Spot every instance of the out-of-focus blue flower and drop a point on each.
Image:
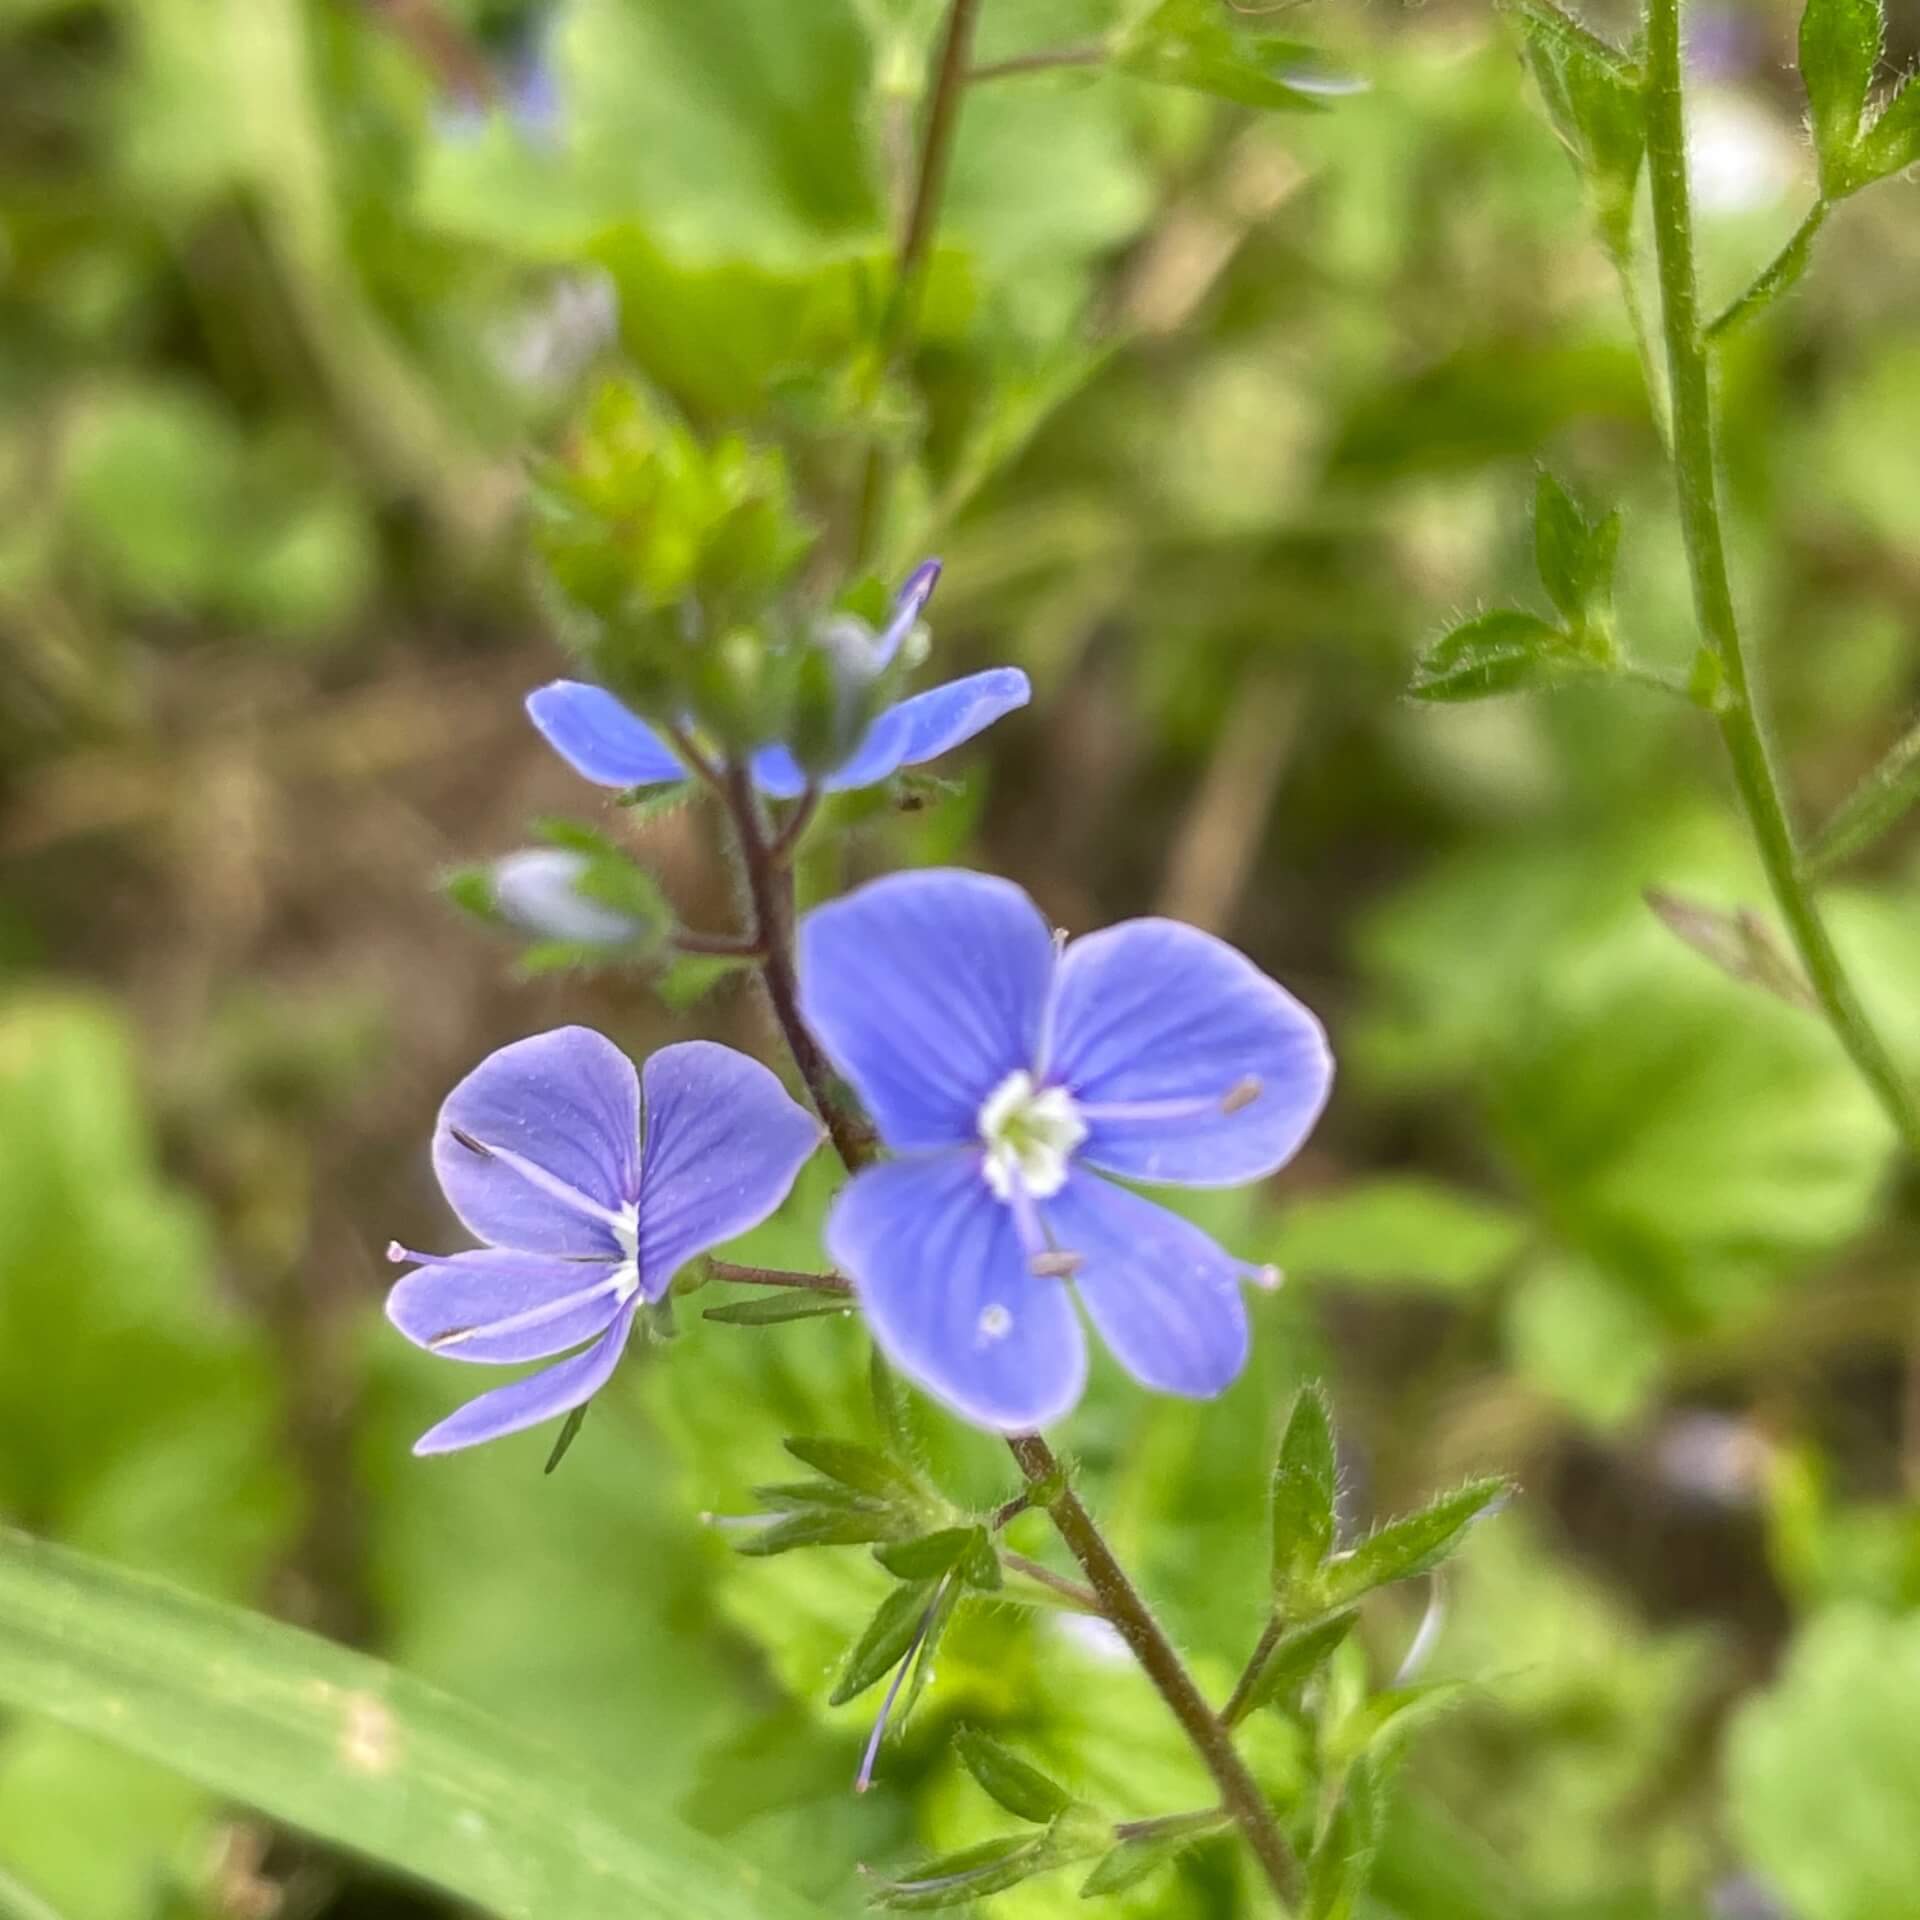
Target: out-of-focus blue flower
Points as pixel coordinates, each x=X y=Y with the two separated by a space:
x=541 y=1152
x=1008 y=1074
x=601 y=740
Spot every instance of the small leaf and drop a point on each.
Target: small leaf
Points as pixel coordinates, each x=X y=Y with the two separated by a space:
x=928 y=1556
x=1342 y=1862
x=776 y=1309
x=980 y=1565
x=881 y=1648
x=1839 y=49
x=1575 y=556
x=1389 y=1719
x=819 y=1527
x=1415 y=1544
x=569 y=1432
x=1304 y=1484
x=1506 y=651
x=1135 y=1858
x=1892 y=143
x=1740 y=944
x=800 y=1496
x=1197 y=44
x=853 y=1465
x=471 y=890
x=1593 y=96
x=1297 y=1655
x=1022 y=1789
x=955 y=1878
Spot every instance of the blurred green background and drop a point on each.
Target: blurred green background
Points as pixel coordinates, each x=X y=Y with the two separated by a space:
x=1216 y=419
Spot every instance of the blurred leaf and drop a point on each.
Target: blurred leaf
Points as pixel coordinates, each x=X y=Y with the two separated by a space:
x=1506 y=651
x=1196 y=43
x=1575 y=556
x=953 y=1879
x=346 y=1748
x=866 y=1468
x=1414 y=1544
x=895 y=1625
x=1305 y=1481
x=1389 y=1718
x=1741 y=944
x=1342 y=1859
x=1820 y=1769
x=1398 y=1230
x=929 y=1556
x=1876 y=804
x=1023 y=1790
x=1892 y=143
x=1133 y=1860
x=820 y=1526
x=777 y=1308
x=1592 y=93
x=1576 y=1332
x=1839 y=49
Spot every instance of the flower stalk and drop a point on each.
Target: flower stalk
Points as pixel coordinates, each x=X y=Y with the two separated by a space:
x=1756 y=778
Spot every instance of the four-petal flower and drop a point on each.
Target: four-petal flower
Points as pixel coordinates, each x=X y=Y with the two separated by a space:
x=1008 y=1074
x=588 y=1208
x=603 y=742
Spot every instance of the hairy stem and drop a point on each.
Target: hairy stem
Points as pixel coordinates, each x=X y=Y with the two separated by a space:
x=777 y=1277
x=770 y=888
x=1754 y=775
x=1775 y=277
x=902 y=315
x=1080 y=1599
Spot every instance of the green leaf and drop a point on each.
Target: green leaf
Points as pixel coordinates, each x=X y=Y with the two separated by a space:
x=866 y=1468
x=1399 y=1231
x=1388 y=1719
x=1593 y=96
x=1820 y=1769
x=1505 y=651
x=820 y=1526
x=1342 y=1861
x=1892 y=143
x=974 y=1872
x=1134 y=1859
x=569 y=1432
x=1297 y=1655
x=349 y=1750
x=1022 y=1789
x=1305 y=1480
x=776 y=1309
x=1839 y=49
x=1880 y=800
x=471 y=890
x=1197 y=44
x=1575 y=556
x=892 y=1630
x=1414 y=1544
x=1576 y=1332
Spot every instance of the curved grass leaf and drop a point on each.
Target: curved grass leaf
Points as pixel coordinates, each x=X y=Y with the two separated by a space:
x=350 y=1750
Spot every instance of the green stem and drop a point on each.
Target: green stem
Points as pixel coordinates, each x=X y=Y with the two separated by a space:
x=902 y=314
x=1694 y=476
x=1775 y=278
x=1093 y=53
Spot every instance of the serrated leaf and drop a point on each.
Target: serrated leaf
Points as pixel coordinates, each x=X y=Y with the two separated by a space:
x=1197 y=44
x=1414 y=1544
x=776 y=1309
x=1297 y=1655
x=1305 y=1481
x=1505 y=651
x=1839 y=49
x=881 y=1648
x=1025 y=1792
x=928 y=1556
x=971 y=1874
x=1892 y=143
x=1575 y=555
x=853 y=1465
x=1342 y=1861
x=1593 y=96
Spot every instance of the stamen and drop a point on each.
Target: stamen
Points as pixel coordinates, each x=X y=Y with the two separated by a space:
x=548 y=1183
x=470 y=1143
x=864 y=1778
x=1241 y=1095
x=623 y=1282
x=1056 y=1264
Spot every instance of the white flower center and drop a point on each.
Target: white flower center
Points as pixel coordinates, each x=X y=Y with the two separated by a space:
x=1030 y=1135
x=626 y=1231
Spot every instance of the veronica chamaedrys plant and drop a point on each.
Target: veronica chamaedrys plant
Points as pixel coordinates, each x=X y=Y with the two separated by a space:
x=1009 y=1075
x=592 y=1185
x=600 y=739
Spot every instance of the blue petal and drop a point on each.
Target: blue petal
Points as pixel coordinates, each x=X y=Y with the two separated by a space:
x=907 y=605
x=927 y=990
x=1159 y=1292
x=501 y=1307
x=1152 y=1015
x=540 y=1396
x=724 y=1143
x=539 y=1146
x=932 y=723
x=944 y=1280
x=598 y=738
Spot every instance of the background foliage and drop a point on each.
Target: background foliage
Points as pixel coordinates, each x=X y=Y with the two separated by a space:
x=1224 y=417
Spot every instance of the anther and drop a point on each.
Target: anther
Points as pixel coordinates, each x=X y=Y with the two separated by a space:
x=1243 y=1093
x=1056 y=1265
x=470 y=1143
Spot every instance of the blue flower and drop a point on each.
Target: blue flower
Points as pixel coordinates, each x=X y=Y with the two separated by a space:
x=1008 y=1074
x=587 y=1211
x=599 y=739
